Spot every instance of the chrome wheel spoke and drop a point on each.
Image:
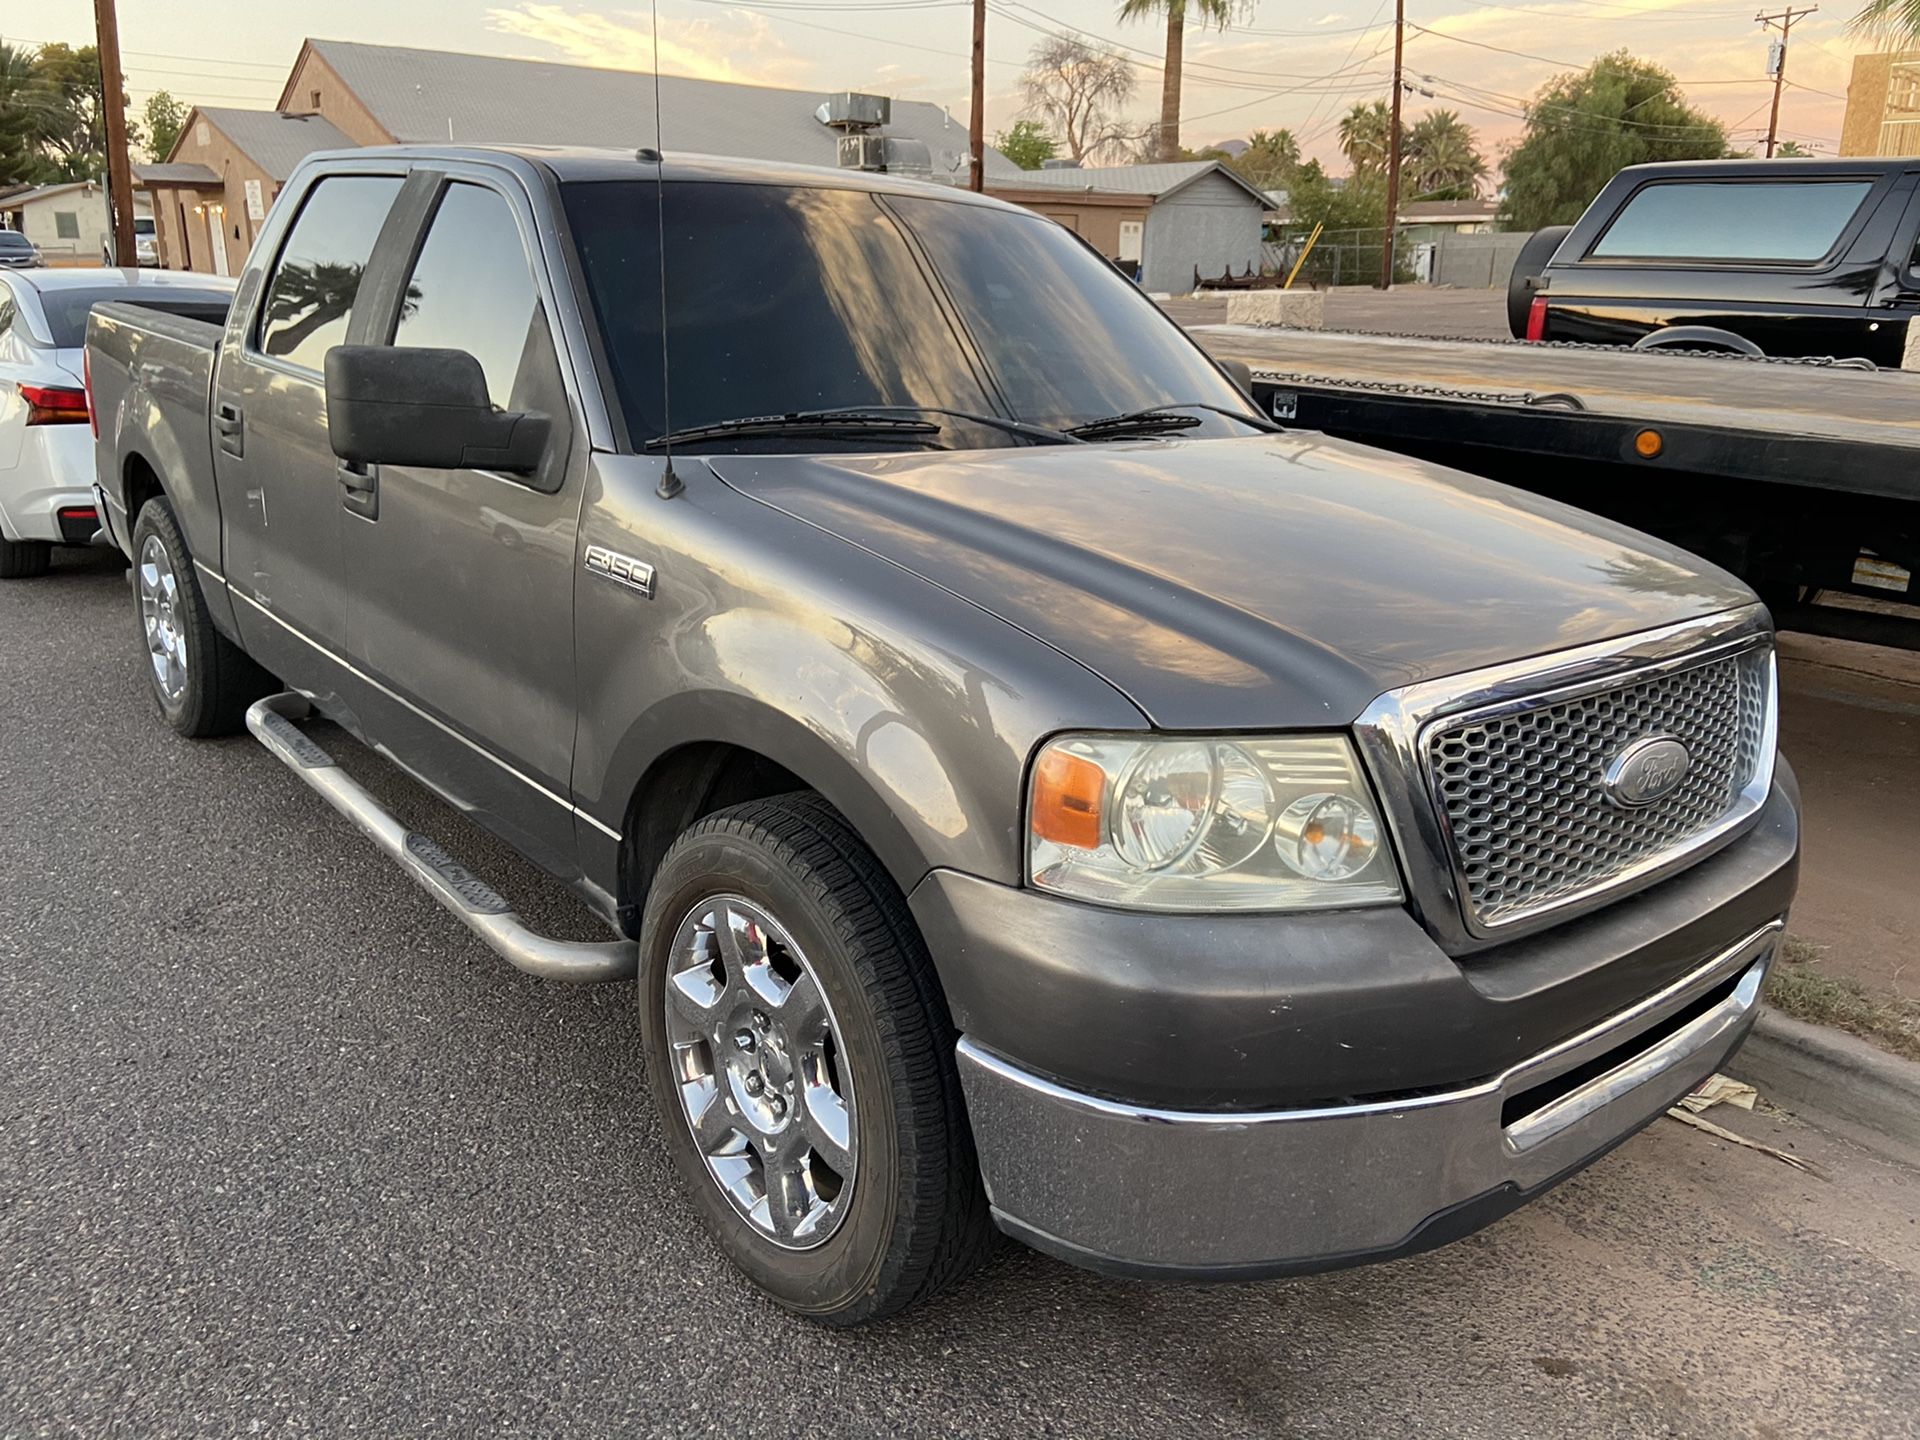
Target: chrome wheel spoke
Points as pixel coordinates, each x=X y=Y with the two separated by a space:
x=714 y=1128
x=803 y=1010
x=828 y=1125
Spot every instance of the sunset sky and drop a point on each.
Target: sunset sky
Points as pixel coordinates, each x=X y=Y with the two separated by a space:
x=1296 y=65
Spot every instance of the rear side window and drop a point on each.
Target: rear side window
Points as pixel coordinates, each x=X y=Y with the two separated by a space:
x=472 y=289
x=311 y=293
x=1767 y=221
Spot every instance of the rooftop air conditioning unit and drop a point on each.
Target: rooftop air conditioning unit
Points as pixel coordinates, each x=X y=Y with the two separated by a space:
x=863 y=152
x=850 y=110
x=912 y=158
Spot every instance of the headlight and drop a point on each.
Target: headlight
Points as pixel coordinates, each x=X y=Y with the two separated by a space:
x=1285 y=822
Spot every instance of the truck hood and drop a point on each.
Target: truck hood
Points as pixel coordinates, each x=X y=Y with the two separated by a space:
x=1277 y=580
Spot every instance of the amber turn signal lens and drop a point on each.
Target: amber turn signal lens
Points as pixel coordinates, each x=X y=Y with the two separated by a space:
x=1068 y=791
x=1648 y=444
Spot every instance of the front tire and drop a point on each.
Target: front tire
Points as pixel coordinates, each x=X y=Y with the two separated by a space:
x=24 y=559
x=801 y=1058
x=202 y=682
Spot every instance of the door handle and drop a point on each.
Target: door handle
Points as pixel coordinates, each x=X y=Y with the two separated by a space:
x=230 y=425
x=361 y=487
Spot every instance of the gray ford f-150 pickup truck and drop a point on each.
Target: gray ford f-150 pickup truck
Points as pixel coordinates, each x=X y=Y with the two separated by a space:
x=1028 y=789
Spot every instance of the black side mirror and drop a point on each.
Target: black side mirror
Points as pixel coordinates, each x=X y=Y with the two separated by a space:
x=395 y=405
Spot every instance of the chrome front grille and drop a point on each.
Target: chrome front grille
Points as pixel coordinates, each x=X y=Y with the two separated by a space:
x=1519 y=790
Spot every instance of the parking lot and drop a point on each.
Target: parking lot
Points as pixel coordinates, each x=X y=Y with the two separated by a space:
x=283 y=1150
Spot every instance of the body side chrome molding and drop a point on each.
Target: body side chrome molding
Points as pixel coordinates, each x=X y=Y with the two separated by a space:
x=431 y=718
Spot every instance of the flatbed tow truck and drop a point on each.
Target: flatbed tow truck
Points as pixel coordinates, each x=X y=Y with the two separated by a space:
x=1800 y=475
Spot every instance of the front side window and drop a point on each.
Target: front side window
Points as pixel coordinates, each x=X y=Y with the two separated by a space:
x=1773 y=222
x=311 y=293
x=791 y=298
x=472 y=289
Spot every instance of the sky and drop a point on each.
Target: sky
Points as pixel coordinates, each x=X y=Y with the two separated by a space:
x=1298 y=65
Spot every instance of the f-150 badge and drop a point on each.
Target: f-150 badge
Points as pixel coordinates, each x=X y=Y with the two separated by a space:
x=621 y=569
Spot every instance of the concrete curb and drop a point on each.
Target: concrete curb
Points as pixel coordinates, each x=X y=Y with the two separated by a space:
x=1859 y=1090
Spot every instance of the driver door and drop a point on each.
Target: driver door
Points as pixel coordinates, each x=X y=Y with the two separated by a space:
x=460 y=582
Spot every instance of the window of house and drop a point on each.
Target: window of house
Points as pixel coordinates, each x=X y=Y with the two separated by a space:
x=315 y=281
x=66 y=224
x=1764 y=221
x=473 y=249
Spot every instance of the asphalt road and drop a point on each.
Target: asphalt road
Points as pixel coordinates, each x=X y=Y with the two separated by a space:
x=283 y=1151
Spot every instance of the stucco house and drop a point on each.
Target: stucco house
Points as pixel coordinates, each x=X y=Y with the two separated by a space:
x=1174 y=220
x=213 y=192
x=68 y=221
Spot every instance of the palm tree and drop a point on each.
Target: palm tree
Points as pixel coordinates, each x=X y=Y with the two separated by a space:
x=1442 y=161
x=1206 y=12
x=1270 y=158
x=1892 y=21
x=1363 y=136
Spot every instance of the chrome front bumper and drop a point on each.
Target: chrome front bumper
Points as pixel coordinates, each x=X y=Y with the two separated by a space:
x=1203 y=1195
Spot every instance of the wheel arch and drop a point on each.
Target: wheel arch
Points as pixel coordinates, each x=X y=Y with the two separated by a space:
x=1697 y=337
x=698 y=752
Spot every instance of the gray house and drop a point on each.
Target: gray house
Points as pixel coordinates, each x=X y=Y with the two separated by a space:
x=1174 y=220
x=215 y=189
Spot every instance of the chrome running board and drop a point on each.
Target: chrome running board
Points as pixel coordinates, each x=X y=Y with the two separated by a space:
x=479 y=907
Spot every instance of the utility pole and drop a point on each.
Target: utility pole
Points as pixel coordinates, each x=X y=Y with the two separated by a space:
x=977 y=124
x=113 y=101
x=1785 y=21
x=1393 y=149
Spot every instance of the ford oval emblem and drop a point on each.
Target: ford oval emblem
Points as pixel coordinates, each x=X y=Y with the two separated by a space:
x=1650 y=769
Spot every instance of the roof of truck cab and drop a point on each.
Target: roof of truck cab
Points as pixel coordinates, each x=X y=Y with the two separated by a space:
x=1822 y=167
x=571 y=164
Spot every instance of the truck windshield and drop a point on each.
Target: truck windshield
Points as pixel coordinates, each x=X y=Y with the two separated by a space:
x=790 y=298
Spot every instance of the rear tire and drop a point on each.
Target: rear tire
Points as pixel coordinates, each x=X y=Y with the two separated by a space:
x=24 y=559
x=202 y=682
x=1527 y=268
x=908 y=1216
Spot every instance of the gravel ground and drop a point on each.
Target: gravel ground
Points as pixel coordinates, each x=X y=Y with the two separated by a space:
x=284 y=1151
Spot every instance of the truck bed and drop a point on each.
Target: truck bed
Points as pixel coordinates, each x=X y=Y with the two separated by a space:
x=152 y=376
x=1802 y=422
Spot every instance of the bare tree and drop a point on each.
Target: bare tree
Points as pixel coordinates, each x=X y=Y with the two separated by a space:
x=1078 y=90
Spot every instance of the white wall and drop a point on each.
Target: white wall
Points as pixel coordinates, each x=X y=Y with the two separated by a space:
x=40 y=221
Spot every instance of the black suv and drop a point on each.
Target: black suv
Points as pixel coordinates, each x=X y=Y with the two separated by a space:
x=1762 y=257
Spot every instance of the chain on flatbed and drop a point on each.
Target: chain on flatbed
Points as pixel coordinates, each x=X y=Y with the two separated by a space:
x=1532 y=399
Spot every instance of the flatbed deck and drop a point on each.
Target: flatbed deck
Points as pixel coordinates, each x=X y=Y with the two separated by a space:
x=1817 y=425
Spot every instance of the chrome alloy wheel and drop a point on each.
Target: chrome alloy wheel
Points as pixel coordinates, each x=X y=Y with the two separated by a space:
x=160 y=618
x=763 y=1078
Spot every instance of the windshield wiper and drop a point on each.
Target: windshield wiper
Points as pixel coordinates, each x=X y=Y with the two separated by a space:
x=1160 y=420
x=824 y=424
x=999 y=422
x=887 y=420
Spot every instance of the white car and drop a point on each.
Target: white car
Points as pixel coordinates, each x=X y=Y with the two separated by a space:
x=46 y=443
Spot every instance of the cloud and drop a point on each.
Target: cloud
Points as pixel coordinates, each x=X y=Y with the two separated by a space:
x=734 y=45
